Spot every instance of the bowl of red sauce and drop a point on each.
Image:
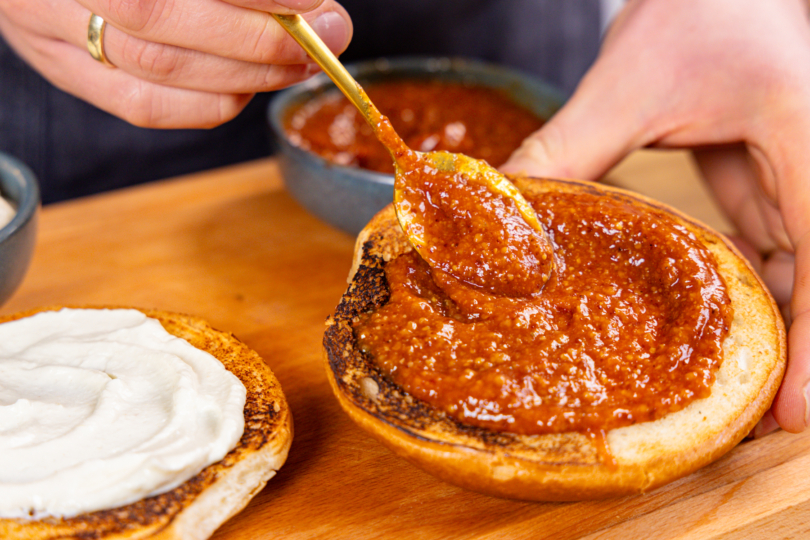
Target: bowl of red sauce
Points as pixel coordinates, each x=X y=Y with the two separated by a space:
x=335 y=168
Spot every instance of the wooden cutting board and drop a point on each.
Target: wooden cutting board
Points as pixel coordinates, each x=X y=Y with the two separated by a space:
x=232 y=247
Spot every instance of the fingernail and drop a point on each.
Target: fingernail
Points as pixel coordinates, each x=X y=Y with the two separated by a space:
x=332 y=29
x=299 y=5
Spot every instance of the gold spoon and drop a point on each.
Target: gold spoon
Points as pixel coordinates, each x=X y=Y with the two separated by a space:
x=517 y=269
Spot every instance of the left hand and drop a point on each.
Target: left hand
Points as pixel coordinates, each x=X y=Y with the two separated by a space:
x=180 y=63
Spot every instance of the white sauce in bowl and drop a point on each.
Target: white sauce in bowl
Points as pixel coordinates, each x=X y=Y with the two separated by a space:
x=101 y=408
x=7 y=212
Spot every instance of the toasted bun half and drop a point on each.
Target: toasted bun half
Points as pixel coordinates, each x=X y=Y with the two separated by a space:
x=196 y=508
x=563 y=466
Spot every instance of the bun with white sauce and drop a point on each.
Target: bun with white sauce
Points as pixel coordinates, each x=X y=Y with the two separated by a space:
x=197 y=507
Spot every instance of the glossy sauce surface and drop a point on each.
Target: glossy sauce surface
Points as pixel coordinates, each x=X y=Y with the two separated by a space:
x=629 y=327
x=471 y=232
x=428 y=115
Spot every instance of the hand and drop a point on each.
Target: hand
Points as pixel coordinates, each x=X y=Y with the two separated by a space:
x=180 y=63
x=730 y=78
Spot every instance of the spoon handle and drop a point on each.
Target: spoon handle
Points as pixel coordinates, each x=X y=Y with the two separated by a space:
x=303 y=33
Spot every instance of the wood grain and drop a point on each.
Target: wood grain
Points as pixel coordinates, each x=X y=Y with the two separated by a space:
x=232 y=247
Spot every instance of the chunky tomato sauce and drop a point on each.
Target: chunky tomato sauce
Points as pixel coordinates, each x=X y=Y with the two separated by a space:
x=471 y=232
x=429 y=115
x=629 y=328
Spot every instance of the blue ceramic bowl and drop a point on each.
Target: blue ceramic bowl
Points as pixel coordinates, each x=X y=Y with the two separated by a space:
x=348 y=197
x=19 y=186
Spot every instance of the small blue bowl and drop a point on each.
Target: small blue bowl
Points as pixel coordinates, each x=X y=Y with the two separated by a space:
x=348 y=197
x=19 y=186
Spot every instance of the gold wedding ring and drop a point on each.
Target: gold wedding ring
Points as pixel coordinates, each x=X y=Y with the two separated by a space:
x=95 y=39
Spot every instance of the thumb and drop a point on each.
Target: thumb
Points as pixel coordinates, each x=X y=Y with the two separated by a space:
x=593 y=131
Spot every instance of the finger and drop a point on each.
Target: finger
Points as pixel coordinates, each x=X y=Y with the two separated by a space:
x=790 y=408
x=47 y=18
x=748 y=251
x=737 y=188
x=175 y=66
x=119 y=93
x=222 y=29
x=765 y=426
x=194 y=70
x=777 y=273
x=789 y=160
x=278 y=6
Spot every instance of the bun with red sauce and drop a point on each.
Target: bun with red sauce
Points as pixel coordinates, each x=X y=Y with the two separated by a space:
x=569 y=465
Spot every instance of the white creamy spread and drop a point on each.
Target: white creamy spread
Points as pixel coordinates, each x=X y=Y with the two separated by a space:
x=7 y=212
x=101 y=408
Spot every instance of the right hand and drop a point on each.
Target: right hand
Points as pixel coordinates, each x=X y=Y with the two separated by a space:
x=180 y=63
x=731 y=80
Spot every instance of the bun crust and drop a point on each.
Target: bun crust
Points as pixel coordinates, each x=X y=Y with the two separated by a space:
x=196 y=508
x=564 y=466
